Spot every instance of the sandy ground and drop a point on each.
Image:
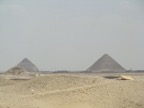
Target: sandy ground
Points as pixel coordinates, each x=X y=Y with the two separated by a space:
x=72 y=91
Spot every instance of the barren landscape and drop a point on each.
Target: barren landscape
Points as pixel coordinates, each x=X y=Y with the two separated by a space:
x=73 y=91
x=72 y=54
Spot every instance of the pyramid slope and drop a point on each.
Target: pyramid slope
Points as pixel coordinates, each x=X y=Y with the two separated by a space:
x=28 y=65
x=106 y=63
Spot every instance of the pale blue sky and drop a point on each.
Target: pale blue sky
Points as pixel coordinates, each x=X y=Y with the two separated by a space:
x=71 y=34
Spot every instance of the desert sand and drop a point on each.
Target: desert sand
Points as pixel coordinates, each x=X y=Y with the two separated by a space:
x=72 y=91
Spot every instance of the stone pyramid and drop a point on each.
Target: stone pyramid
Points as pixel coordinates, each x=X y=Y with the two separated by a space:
x=15 y=71
x=106 y=64
x=28 y=65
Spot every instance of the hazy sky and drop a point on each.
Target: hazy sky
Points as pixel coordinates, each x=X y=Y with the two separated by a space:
x=71 y=34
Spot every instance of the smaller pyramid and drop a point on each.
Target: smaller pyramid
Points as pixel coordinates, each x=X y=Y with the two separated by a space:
x=28 y=65
x=16 y=71
x=106 y=64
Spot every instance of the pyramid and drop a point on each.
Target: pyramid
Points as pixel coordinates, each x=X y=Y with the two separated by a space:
x=16 y=71
x=106 y=64
x=28 y=65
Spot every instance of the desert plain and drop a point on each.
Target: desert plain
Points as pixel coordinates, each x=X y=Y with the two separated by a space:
x=72 y=90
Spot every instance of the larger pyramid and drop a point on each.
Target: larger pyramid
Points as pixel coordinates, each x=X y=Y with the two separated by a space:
x=106 y=64
x=28 y=65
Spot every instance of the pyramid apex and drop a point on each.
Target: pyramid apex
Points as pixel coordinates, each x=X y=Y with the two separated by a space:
x=105 y=55
x=25 y=59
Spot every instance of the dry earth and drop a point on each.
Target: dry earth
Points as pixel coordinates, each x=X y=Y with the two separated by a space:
x=72 y=91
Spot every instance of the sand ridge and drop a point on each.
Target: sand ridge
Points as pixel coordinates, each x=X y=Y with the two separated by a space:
x=72 y=91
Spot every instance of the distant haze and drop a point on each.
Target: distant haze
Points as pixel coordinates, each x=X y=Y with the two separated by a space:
x=71 y=34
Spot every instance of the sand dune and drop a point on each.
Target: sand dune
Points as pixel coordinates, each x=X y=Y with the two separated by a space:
x=72 y=91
